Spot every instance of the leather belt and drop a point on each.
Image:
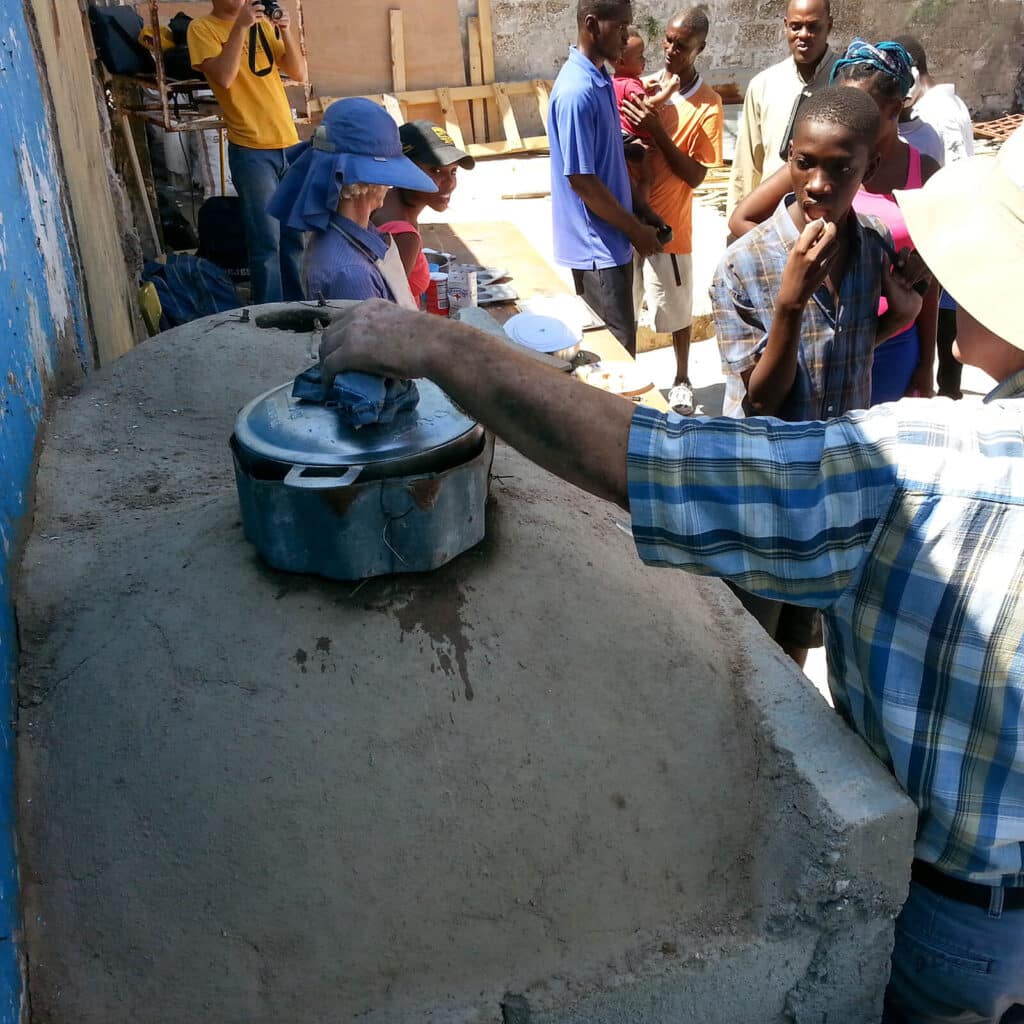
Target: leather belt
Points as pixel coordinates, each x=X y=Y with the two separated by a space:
x=964 y=892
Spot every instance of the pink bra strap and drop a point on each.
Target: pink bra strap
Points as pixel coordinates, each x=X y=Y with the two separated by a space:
x=914 y=169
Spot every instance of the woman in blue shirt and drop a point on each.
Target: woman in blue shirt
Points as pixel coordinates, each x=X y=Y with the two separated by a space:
x=335 y=182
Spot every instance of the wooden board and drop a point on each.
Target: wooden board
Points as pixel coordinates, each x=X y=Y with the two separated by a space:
x=397 y=23
x=349 y=45
x=476 y=77
x=450 y=107
x=1000 y=129
x=487 y=63
x=500 y=244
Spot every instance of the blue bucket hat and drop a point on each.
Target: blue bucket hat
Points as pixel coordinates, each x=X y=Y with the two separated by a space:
x=357 y=141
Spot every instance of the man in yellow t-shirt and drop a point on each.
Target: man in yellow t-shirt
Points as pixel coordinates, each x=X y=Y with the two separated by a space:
x=686 y=138
x=242 y=53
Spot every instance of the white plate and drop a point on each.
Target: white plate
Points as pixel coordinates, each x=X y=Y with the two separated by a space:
x=492 y=293
x=620 y=376
x=541 y=333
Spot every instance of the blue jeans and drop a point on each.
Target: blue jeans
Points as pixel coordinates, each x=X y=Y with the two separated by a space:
x=275 y=252
x=954 y=962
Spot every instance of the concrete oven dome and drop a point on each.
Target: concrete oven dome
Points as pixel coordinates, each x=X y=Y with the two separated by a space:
x=543 y=783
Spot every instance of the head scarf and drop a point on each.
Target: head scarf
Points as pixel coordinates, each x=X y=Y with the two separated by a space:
x=357 y=141
x=889 y=58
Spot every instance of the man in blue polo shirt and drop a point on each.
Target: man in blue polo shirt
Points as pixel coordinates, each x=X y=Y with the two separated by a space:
x=595 y=230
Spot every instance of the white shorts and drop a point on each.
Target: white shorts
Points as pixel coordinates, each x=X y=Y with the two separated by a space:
x=669 y=305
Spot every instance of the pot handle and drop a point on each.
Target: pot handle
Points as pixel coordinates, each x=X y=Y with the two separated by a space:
x=296 y=478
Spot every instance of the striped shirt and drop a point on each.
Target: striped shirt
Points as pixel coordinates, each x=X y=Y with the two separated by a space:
x=905 y=526
x=836 y=347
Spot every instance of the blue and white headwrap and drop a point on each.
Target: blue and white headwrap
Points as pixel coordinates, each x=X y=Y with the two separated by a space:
x=889 y=58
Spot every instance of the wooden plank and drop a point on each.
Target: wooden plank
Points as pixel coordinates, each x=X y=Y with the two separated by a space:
x=392 y=106
x=483 y=11
x=486 y=39
x=451 y=120
x=140 y=182
x=397 y=51
x=440 y=105
x=543 y=91
x=532 y=144
x=1000 y=129
x=508 y=117
x=477 y=109
x=425 y=97
x=500 y=244
x=349 y=45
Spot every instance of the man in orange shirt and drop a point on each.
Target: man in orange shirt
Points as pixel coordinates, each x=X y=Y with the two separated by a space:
x=686 y=138
x=242 y=52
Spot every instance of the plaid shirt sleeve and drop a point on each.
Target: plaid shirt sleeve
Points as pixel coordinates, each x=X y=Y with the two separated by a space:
x=741 y=323
x=785 y=510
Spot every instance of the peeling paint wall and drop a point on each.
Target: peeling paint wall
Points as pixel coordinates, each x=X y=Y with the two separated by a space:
x=42 y=339
x=979 y=44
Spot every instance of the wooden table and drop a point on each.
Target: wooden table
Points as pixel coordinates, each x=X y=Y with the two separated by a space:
x=500 y=244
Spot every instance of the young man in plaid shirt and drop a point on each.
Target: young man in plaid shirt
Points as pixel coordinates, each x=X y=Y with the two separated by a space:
x=795 y=301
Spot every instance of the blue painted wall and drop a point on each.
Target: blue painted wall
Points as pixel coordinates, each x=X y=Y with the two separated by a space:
x=41 y=329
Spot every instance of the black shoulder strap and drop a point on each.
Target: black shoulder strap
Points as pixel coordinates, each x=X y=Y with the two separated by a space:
x=257 y=32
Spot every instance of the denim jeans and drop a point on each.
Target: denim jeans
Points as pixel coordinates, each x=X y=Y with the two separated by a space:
x=954 y=962
x=275 y=252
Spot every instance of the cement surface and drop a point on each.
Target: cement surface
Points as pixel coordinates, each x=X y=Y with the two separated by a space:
x=544 y=774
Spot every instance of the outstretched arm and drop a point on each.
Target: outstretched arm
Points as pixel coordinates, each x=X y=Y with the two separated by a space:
x=644 y=118
x=577 y=432
x=760 y=204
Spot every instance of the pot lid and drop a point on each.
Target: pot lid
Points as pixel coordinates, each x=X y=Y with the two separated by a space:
x=285 y=429
x=541 y=333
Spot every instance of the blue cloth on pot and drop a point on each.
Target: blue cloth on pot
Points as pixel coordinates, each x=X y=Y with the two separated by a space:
x=360 y=398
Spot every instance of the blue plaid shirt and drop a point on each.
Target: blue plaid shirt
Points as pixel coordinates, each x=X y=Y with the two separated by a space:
x=836 y=346
x=905 y=526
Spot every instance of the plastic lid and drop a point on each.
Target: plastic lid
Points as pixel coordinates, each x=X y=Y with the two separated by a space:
x=541 y=333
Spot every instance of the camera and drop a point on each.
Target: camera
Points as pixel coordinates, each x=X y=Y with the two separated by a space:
x=664 y=234
x=272 y=10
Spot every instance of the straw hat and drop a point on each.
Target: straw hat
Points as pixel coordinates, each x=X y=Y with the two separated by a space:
x=968 y=224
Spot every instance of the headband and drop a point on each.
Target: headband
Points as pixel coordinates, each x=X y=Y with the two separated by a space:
x=889 y=58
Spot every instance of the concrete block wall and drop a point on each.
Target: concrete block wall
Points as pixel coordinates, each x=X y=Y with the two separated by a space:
x=978 y=44
x=42 y=339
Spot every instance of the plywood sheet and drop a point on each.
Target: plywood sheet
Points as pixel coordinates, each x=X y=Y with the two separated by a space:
x=62 y=37
x=349 y=45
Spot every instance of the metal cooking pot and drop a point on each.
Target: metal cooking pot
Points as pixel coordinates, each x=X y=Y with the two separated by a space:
x=318 y=496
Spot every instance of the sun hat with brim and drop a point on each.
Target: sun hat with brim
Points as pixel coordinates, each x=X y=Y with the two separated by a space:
x=430 y=144
x=968 y=224
x=357 y=141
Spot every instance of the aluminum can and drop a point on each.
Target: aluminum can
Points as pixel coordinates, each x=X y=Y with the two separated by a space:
x=437 y=294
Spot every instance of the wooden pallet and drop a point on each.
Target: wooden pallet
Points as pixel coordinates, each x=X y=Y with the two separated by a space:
x=397 y=104
x=1000 y=129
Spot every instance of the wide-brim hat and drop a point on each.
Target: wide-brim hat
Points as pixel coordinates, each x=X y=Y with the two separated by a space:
x=430 y=144
x=968 y=224
x=357 y=142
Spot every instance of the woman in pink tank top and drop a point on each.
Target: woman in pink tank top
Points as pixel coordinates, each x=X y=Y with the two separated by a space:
x=431 y=148
x=904 y=363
